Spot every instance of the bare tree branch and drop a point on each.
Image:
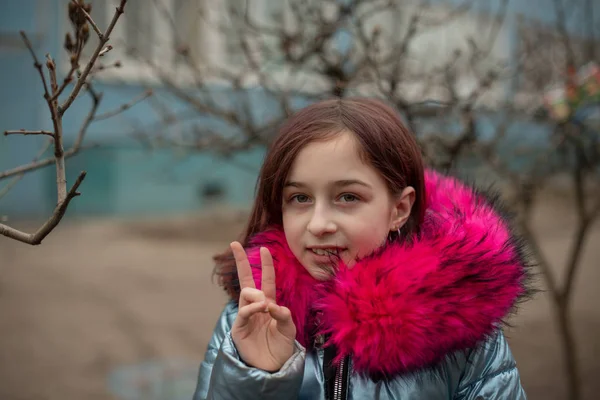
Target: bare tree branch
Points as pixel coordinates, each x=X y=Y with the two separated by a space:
x=82 y=78
x=124 y=107
x=37 y=237
x=16 y=179
x=561 y=27
x=35 y=165
x=307 y=43
x=79 y=17
x=101 y=67
x=36 y=63
x=89 y=18
x=24 y=132
x=105 y=50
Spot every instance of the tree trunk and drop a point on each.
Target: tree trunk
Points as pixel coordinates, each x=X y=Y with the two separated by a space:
x=569 y=349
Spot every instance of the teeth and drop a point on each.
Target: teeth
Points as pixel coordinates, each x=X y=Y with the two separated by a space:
x=324 y=252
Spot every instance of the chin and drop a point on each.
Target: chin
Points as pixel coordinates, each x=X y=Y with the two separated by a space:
x=321 y=273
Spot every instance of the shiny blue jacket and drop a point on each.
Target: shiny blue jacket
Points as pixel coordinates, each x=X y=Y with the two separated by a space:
x=487 y=372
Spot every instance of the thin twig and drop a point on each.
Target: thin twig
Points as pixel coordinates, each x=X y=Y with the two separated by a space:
x=96 y=99
x=542 y=261
x=496 y=27
x=562 y=29
x=124 y=107
x=37 y=237
x=10 y=185
x=56 y=112
x=43 y=163
x=77 y=146
x=105 y=50
x=51 y=65
x=68 y=79
x=585 y=221
x=24 y=132
x=89 y=19
x=36 y=63
x=116 y=64
x=82 y=78
x=574 y=256
x=17 y=178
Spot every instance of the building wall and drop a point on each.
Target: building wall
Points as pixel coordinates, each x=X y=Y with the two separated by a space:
x=123 y=179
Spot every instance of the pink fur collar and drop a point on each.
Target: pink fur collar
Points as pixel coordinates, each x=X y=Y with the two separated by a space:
x=407 y=307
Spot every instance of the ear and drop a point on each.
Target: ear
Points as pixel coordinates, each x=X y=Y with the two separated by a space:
x=402 y=206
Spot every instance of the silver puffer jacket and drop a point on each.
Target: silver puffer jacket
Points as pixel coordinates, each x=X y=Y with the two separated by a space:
x=412 y=321
x=487 y=373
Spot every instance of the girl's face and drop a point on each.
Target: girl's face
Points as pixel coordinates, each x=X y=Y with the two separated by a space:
x=334 y=204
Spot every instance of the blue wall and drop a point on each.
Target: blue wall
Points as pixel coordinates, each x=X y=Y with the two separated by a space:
x=123 y=178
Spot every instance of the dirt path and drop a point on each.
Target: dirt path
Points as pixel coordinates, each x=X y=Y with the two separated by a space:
x=108 y=306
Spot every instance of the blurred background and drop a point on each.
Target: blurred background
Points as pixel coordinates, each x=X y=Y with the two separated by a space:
x=171 y=125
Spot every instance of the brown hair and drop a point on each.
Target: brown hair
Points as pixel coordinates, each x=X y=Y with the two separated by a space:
x=385 y=143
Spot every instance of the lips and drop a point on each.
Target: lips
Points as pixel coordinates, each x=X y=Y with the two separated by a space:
x=321 y=261
x=325 y=255
x=326 y=252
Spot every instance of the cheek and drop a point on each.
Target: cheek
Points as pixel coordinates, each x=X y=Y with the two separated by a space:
x=368 y=238
x=293 y=232
x=371 y=229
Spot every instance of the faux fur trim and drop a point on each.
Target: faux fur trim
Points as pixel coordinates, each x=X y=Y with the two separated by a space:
x=408 y=306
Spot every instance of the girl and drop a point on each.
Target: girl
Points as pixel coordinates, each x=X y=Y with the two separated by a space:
x=363 y=275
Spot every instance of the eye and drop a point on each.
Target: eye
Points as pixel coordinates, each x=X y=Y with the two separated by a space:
x=349 y=198
x=300 y=198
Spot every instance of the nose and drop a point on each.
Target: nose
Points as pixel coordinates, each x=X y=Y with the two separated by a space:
x=321 y=223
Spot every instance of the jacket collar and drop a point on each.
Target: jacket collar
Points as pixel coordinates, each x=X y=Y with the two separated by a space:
x=408 y=306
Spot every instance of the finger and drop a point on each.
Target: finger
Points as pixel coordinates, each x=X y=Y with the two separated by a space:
x=250 y=295
x=268 y=274
x=243 y=266
x=248 y=311
x=281 y=314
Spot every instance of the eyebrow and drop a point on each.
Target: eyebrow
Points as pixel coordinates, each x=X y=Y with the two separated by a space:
x=340 y=183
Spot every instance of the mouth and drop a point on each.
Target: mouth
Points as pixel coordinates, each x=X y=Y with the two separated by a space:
x=326 y=251
x=323 y=261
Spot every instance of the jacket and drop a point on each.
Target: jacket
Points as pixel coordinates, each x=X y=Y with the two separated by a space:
x=415 y=320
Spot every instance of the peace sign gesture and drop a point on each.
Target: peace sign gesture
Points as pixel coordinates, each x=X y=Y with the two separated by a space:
x=262 y=332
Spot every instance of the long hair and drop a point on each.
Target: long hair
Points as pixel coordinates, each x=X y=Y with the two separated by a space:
x=384 y=142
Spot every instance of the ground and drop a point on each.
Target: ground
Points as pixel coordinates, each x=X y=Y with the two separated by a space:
x=123 y=309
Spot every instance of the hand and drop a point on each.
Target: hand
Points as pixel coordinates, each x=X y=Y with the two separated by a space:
x=262 y=332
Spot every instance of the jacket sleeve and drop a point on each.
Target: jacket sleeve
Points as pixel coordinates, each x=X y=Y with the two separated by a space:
x=491 y=373
x=223 y=375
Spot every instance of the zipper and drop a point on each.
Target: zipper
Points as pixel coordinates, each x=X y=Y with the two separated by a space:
x=336 y=378
x=340 y=386
x=339 y=376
